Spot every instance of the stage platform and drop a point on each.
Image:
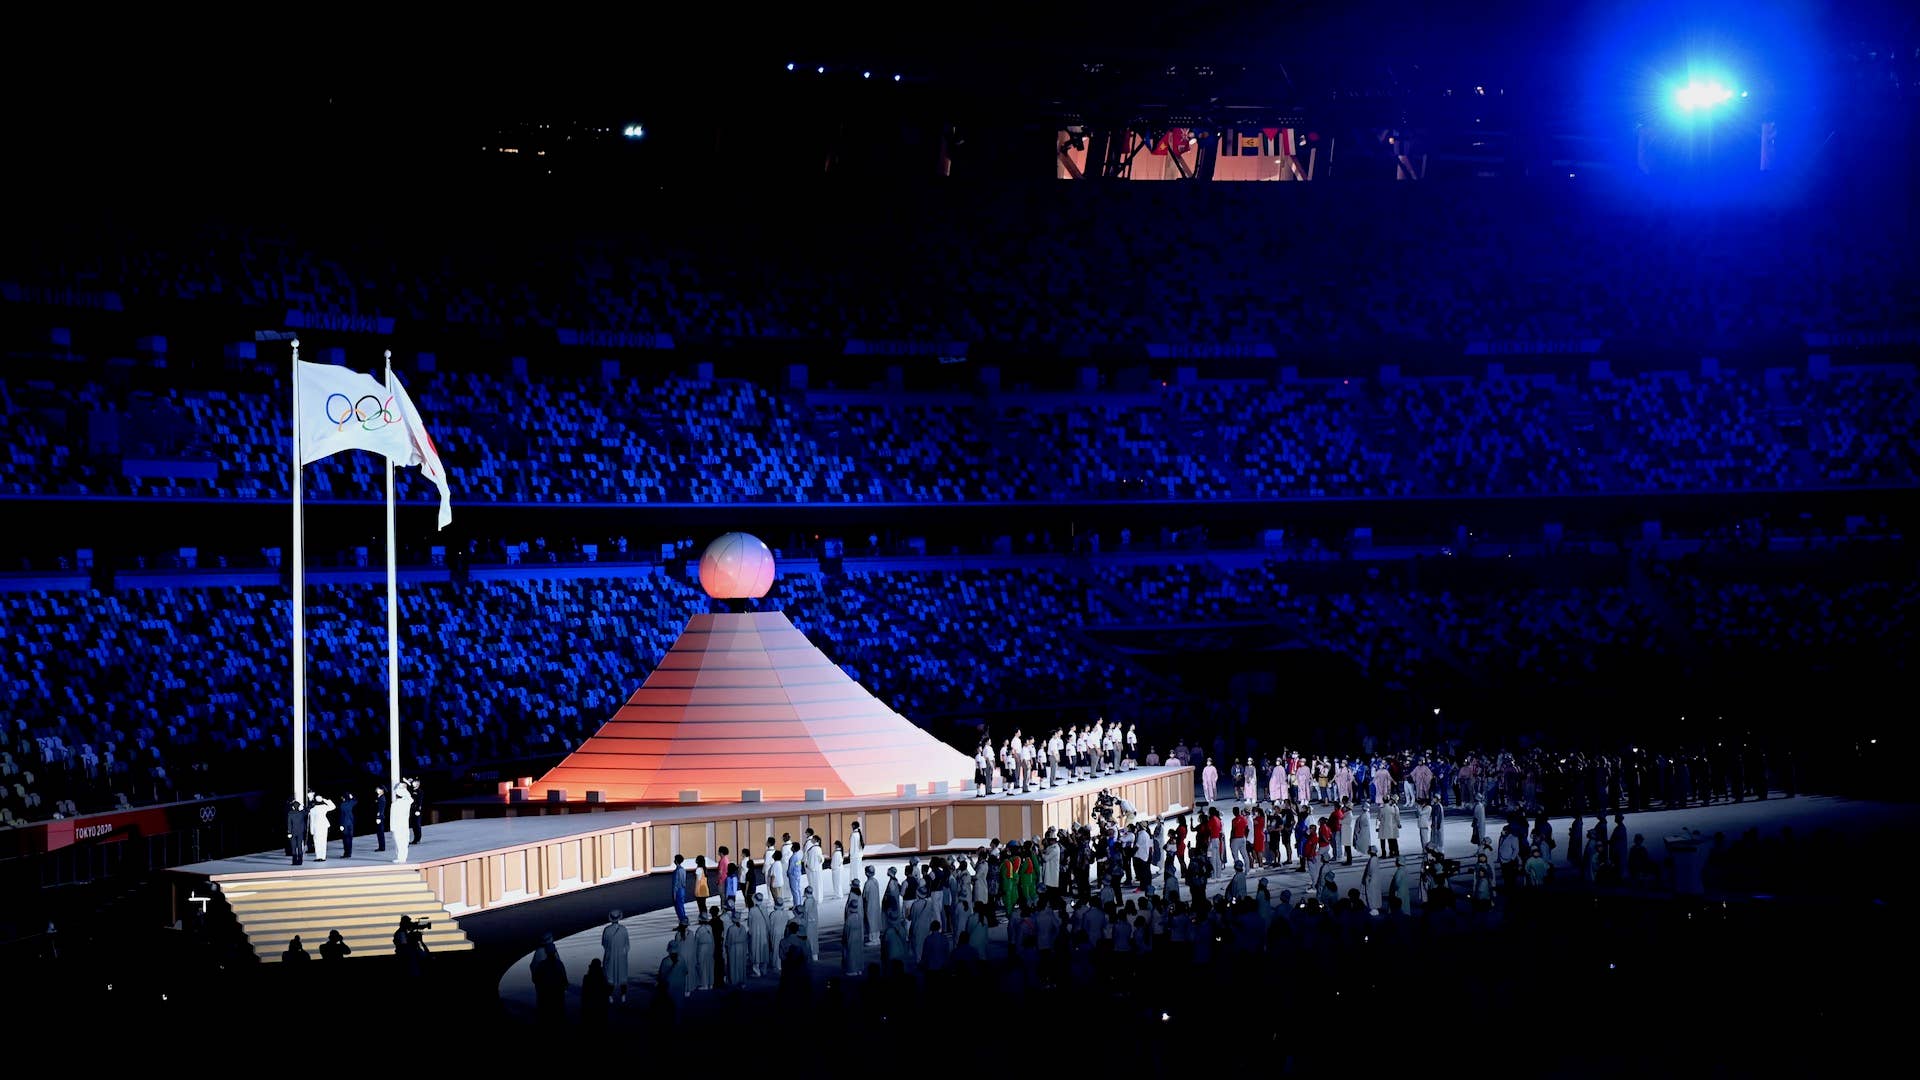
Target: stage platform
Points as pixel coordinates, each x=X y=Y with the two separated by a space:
x=499 y=853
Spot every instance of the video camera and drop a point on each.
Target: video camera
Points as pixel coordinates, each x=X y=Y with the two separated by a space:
x=1103 y=808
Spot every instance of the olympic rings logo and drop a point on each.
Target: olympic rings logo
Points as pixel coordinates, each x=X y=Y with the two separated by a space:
x=369 y=412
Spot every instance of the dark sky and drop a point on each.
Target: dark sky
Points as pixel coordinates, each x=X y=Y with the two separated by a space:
x=185 y=91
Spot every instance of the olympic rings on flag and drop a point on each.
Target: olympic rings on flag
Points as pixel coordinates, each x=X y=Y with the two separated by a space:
x=369 y=412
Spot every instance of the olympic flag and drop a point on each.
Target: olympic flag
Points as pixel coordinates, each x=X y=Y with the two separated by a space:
x=342 y=409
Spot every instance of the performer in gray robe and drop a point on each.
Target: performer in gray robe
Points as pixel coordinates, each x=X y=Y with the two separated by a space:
x=894 y=944
x=937 y=953
x=1402 y=887
x=853 y=938
x=674 y=973
x=894 y=892
x=1362 y=827
x=814 y=864
x=870 y=903
x=1439 y=818
x=1371 y=881
x=739 y=950
x=614 y=948
x=810 y=921
x=977 y=935
x=1479 y=819
x=920 y=916
x=777 y=920
x=702 y=956
x=760 y=932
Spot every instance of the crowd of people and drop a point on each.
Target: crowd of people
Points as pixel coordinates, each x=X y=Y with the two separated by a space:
x=1309 y=860
x=671 y=438
x=939 y=265
x=100 y=710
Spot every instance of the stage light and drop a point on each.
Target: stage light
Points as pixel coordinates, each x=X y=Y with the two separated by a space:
x=896 y=77
x=789 y=66
x=866 y=74
x=820 y=70
x=1698 y=94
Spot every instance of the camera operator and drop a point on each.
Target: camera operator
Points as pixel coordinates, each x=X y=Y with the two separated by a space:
x=409 y=944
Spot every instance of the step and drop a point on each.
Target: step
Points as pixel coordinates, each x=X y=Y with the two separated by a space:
x=337 y=911
x=389 y=920
x=383 y=889
x=304 y=881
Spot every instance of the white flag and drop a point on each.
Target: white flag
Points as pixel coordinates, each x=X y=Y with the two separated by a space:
x=423 y=453
x=342 y=409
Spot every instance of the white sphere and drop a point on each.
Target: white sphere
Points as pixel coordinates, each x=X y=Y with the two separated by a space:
x=735 y=566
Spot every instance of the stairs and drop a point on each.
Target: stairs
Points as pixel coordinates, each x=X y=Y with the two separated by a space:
x=365 y=908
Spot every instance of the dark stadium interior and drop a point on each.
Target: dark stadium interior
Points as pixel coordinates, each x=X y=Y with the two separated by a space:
x=1552 y=428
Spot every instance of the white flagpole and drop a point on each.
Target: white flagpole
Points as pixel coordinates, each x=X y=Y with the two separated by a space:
x=393 y=628
x=299 y=603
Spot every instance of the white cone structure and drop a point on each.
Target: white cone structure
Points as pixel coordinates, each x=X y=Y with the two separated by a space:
x=747 y=702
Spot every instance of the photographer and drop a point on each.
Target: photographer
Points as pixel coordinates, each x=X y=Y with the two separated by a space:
x=409 y=944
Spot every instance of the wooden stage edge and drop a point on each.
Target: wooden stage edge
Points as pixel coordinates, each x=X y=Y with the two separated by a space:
x=497 y=854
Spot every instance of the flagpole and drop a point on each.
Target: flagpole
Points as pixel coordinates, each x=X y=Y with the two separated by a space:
x=393 y=625
x=299 y=603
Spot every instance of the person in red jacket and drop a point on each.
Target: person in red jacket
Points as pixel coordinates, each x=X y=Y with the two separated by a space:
x=1238 y=835
x=1180 y=843
x=1259 y=838
x=1216 y=840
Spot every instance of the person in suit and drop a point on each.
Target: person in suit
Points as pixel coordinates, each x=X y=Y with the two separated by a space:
x=346 y=825
x=296 y=830
x=414 y=810
x=380 y=810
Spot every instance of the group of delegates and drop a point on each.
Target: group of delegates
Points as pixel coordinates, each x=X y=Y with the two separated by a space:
x=1067 y=756
x=1184 y=882
x=1533 y=779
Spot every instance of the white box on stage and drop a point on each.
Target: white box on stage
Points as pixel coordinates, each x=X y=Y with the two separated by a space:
x=938 y=787
x=749 y=794
x=556 y=795
x=690 y=796
x=596 y=796
x=816 y=794
x=907 y=791
x=518 y=794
